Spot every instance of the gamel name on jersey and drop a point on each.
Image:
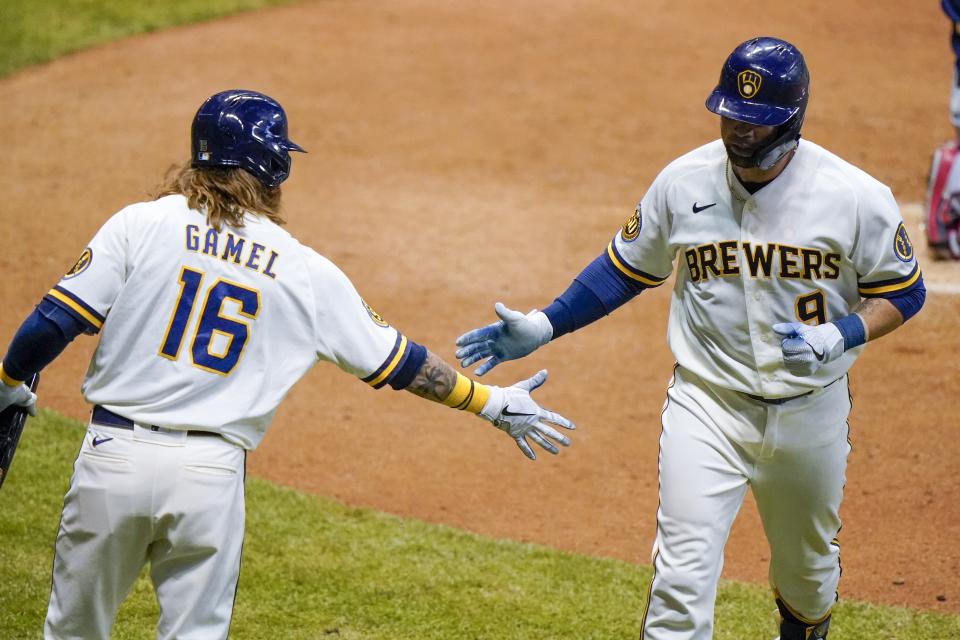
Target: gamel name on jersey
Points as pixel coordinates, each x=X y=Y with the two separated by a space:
x=720 y=259
x=231 y=249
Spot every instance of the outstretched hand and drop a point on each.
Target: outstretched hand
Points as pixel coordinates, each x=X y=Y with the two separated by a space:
x=511 y=409
x=513 y=336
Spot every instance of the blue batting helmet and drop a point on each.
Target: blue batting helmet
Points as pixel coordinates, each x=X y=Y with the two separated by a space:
x=245 y=129
x=764 y=82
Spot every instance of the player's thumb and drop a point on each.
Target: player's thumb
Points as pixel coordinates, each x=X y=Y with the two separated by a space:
x=534 y=381
x=506 y=314
x=786 y=329
x=27 y=399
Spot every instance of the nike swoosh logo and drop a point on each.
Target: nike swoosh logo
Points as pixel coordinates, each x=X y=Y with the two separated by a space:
x=507 y=412
x=819 y=355
x=98 y=440
x=697 y=209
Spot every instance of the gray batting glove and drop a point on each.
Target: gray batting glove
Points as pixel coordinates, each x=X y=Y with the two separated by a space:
x=511 y=409
x=514 y=336
x=18 y=395
x=806 y=348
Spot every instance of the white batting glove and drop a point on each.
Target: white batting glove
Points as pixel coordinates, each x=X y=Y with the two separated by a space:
x=19 y=395
x=806 y=348
x=511 y=409
x=514 y=336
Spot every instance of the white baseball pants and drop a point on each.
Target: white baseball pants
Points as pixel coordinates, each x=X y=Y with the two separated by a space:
x=716 y=443
x=168 y=498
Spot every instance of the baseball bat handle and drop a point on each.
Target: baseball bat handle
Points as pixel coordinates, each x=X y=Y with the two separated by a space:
x=12 y=420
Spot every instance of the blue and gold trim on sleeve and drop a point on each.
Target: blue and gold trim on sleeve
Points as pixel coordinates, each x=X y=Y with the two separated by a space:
x=893 y=286
x=7 y=379
x=634 y=274
x=391 y=365
x=76 y=307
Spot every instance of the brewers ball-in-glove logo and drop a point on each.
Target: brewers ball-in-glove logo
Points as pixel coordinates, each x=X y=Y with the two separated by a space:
x=748 y=83
x=902 y=245
x=631 y=228
x=81 y=265
x=373 y=314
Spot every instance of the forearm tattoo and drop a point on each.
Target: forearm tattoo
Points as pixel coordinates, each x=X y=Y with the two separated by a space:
x=435 y=379
x=880 y=317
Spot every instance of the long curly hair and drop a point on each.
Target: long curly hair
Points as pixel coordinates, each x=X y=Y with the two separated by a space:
x=225 y=194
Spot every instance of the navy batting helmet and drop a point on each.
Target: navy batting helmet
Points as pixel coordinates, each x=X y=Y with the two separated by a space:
x=245 y=129
x=764 y=82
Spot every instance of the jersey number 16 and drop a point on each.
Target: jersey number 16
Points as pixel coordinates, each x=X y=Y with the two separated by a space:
x=211 y=323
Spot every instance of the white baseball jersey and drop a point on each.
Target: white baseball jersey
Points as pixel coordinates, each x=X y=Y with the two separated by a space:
x=806 y=247
x=208 y=330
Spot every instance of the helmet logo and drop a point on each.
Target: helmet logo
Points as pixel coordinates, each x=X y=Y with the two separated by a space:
x=748 y=83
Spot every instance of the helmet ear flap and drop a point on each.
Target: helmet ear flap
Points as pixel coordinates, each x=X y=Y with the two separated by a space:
x=786 y=140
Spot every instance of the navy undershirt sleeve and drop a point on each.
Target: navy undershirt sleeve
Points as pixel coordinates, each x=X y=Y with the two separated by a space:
x=40 y=339
x=405 y=373
x=951 y=8
x=596 y=292
x=909 y=301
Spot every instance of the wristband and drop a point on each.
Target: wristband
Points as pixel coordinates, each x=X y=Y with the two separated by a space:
x=467 y=395
x=853 y=331
x=7 y=380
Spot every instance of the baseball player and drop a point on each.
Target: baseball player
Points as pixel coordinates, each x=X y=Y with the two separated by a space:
x=952 y=9
x=787 y=260
x=208 y=312
x=943 y=185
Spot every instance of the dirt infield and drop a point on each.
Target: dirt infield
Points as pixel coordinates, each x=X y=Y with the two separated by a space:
x=462 y=153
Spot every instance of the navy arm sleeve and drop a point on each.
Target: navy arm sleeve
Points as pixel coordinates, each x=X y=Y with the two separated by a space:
x=408 y=369
x=40 y=339
x=596 y=292
x=909 y=301
x=952 y=9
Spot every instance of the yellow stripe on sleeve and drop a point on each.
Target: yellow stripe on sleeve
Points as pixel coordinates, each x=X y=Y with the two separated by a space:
x=393 y=363
x=867 y=289
x=627 y=272
x=86 y=315
x=7 y=380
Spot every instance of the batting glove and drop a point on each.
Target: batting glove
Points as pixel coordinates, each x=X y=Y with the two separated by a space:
x=806 y=348
x=18 y=395
x=511 y=409
x=514 y=336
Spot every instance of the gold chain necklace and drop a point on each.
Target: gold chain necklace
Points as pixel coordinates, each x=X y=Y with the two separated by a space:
x=729 y=171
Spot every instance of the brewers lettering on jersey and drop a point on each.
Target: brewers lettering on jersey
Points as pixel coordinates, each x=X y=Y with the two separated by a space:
x=786 y=260
x=207 y=312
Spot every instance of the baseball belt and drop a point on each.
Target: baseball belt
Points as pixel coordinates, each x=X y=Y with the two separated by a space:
x=788 y=398
x=776 y=400
x=108 y=418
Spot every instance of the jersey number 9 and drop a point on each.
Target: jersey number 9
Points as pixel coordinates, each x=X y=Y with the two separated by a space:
x=212 y=326
x=812 y=307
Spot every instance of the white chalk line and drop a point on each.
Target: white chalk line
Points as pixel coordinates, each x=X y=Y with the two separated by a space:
x=940 y=278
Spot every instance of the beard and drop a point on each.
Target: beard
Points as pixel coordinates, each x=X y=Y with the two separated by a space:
x=744 y=161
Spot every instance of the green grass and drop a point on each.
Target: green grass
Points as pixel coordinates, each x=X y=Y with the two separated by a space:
x=34 y=31
x=314 y=568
